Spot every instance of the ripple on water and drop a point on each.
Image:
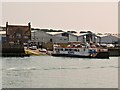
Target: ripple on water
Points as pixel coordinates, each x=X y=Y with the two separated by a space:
x=56 y=68
x=59 y=68
x=19 y=69
x=34 y=68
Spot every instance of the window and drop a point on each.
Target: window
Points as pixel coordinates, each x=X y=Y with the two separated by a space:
x=70 y=49
x=18 y=35
x=11 y=36
x=75 y=50
x=56 y=49
x=65 y=34
x=66 y=49
x=26 y=37
x=51 y=40
x=61 y=49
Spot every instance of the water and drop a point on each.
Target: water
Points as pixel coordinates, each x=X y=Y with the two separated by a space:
x=59 y=72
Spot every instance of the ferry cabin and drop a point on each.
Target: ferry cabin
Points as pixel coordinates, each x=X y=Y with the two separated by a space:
x=75 y=51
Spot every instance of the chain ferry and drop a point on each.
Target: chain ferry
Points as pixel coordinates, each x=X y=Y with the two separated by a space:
x=80 y=51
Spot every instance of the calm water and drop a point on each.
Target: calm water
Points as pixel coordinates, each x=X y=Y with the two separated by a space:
x=59 y=72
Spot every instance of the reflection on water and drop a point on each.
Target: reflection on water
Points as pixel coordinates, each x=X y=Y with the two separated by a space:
x=59 y=72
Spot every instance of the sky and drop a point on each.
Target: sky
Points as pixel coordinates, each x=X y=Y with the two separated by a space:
x=79 y=16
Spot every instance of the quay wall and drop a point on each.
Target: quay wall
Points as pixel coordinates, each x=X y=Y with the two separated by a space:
x=20 y=51
x=114 y=51
x=13 y=52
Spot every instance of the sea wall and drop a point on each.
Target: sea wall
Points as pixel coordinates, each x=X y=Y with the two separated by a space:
x=10 y=52
x=114 y=51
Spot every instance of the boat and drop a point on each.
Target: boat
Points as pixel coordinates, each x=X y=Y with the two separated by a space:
x=80 y=52
x=34 y=52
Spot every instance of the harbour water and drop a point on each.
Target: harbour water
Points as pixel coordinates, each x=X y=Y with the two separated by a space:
x=59 y=72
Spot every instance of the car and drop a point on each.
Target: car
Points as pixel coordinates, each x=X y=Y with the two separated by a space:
x=103 y=45
x=110 y=46
x=43 y=50
x=33 y=47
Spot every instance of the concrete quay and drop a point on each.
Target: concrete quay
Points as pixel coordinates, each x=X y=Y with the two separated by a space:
x=114 y=52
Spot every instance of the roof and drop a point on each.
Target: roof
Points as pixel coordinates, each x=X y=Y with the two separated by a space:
x=75 y=34
x=102 y=35
x=79 y=34
x=82 y=34
x=32 y=31
x=54 y=33
x=116 y=35
x=108 y=36
x=17 y=26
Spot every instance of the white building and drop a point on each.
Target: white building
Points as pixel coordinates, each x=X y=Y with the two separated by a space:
x=58 y=37
x=88 y=37
x=108 y=39
x=73 y=37
x=40 y=36
x=63 y=37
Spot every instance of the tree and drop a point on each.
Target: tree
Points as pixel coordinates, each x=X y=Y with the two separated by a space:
x=71 y=31
x=99 y=34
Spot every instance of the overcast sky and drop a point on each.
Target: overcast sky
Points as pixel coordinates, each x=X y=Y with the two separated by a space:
x=94 y=16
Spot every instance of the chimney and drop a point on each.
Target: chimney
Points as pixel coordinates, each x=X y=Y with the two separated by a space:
x=6 y=27
x=29 y=25
x=6 y=24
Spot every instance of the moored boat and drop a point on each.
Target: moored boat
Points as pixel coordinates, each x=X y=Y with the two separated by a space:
x=80 y=52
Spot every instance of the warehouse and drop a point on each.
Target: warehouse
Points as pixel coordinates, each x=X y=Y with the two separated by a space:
x=108 y=39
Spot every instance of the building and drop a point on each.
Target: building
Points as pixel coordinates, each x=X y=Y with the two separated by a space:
x=59 y=37
x=1 y=28
x=64 y=37
x=14 y=38
x=72 y=37
x=89 y=37
x=109 y=39
x=18 y=33
x=2 y=37
x=41 y=36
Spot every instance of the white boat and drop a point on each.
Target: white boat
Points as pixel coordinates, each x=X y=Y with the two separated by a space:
x=83 y=52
